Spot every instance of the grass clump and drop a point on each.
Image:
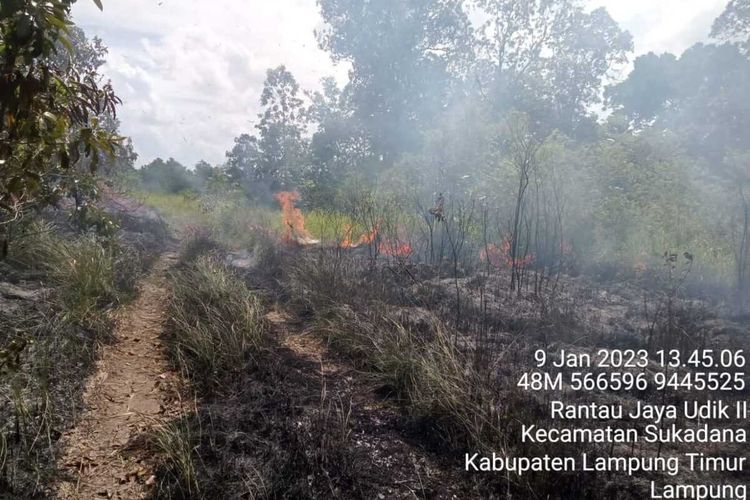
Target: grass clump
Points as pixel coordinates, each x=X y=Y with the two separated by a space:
x=427 y=373
x=90 y=273
x=217 y=323
x=177 y=442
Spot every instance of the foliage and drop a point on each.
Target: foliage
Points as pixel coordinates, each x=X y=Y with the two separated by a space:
x=274 y=158
x=166 y=176
x=548 y=58
x=394 y=90
x=51 y=108
x=701 y=96
x=734 y=24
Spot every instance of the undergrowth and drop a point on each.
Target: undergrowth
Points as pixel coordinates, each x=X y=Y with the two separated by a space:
x=66 y=281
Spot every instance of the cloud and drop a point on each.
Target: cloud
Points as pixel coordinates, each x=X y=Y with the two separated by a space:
x=190 y=72
x=664 y=25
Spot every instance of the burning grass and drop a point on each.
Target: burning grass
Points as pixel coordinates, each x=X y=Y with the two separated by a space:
x=439 y=331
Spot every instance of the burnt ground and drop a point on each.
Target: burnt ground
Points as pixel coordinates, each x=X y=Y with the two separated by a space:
x=318 y=393
x=388 y=446
x=304 y=423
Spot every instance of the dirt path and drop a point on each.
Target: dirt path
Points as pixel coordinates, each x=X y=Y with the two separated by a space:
x=132 y=391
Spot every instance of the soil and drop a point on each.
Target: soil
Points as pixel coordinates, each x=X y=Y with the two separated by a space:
x=106 y=454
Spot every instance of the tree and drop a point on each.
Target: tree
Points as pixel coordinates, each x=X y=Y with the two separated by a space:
x=338 y=149
x=548 y=57
x=203 y=171
x=405 y=55
x=733 y=25
x=275 y=157
x=702 y=95
x=282 y=124
x=650 y=86
x=166 y=176
x=51 y=111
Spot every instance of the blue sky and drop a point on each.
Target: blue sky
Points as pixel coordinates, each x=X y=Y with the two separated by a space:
x=190 y=72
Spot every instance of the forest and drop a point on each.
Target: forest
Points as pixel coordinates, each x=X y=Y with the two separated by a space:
x=360 y=297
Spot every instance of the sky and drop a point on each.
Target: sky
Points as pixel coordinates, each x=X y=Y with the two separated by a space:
x=190 y=72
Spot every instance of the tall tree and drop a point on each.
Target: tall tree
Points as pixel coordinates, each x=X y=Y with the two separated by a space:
x=339 y=147
x=404 y=55
x=702 y=95
x=277 y=155
x=281 y=128
x=733 y=25
x=547 y=58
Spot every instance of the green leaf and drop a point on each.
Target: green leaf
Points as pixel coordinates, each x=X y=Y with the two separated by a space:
x=99 y=4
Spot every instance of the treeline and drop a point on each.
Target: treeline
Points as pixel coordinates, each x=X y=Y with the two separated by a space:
x=515 y=108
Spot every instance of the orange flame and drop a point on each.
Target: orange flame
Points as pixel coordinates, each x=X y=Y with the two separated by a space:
x=499 y=255
x=347 y=241
x=395 y=249
x=386 y=247
x=294 y=221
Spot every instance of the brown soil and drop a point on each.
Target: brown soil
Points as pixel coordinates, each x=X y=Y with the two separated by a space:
x=132 y=391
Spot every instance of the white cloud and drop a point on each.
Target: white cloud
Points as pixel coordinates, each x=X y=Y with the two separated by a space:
x=664 y=25
x=190 y=72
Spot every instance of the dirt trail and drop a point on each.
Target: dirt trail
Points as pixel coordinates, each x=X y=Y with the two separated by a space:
x=133 y=390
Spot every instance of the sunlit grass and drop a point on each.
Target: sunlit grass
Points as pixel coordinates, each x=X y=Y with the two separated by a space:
x=178 y=210
x=217 y=323
x=331 y=227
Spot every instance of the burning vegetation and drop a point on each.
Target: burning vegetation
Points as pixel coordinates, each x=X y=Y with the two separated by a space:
x=292 y=219
x=366 y=276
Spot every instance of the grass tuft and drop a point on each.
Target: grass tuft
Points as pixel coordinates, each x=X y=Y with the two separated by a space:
x=177 y=442
x=427 y=373
x=217 y=323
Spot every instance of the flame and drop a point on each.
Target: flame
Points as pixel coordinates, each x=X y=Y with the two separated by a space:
x=294 y=221
x=499 y=255
x=365 y=239
x=347 y=241
x=370 y=236
x=396 y=249
x=386 y=247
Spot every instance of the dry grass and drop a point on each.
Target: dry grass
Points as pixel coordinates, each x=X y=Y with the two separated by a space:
x=432 y=378
x=177 y=443
x=217 y=323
